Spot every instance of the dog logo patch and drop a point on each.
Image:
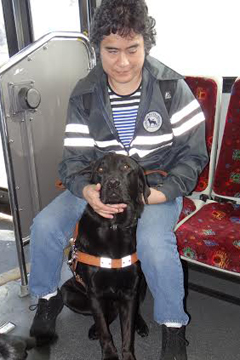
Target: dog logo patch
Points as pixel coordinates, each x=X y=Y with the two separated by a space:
x=152 y=121
x=167 y=95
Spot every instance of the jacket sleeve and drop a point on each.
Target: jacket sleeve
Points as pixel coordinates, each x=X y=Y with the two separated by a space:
x=78 y=153
x=189 y=144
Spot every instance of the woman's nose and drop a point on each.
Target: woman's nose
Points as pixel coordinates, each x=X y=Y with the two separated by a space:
x=123 y=59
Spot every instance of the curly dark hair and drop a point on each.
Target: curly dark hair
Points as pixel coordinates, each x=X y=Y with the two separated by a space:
x=122 y=17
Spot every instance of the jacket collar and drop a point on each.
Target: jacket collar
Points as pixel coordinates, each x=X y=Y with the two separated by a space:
x=159 y=70
x=97 y=76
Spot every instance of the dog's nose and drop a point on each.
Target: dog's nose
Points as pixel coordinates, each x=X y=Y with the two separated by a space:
x=113 y=183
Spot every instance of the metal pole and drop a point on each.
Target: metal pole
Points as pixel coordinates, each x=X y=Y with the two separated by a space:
x=18 y=24
x=13 y=199
x=86 y=11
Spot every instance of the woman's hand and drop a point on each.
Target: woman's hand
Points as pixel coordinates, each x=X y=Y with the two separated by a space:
x=91 y=194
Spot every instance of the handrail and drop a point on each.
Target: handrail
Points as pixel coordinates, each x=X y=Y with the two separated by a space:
x=13 y=199
x=28 y=50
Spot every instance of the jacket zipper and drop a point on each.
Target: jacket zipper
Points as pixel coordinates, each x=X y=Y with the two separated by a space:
x=142 y=110
x=110 y=123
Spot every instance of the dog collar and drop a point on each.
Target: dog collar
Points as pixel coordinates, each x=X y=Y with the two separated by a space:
x=105 y=262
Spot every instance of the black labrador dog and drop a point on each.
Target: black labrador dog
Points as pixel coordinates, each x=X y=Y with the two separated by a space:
x=15 y=347
x=109 y=280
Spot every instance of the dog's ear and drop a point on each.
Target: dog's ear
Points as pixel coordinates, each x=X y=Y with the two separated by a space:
x=90 y=171
x=94 y=167
x=144 y=189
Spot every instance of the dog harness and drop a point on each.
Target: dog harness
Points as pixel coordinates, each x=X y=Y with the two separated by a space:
x=103 y=262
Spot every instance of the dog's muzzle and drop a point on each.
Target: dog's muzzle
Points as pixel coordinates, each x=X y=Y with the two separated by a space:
x=111 y=191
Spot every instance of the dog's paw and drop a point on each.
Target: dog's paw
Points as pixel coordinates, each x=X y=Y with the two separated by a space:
x=46 y=340
x=128 y=356
x=92 y=333
x=141 y=327
x=110 y=357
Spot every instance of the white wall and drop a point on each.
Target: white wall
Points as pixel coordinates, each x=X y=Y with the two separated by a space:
x=3 y=176
x=198 y=37
x=54 y=15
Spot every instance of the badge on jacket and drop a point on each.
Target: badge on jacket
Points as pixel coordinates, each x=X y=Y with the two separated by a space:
x=152 y=121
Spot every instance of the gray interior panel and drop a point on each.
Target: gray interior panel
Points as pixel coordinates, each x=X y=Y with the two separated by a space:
x=35 y=93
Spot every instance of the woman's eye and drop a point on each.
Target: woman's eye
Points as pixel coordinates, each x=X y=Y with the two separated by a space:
x=132 y=51
x=112 y=51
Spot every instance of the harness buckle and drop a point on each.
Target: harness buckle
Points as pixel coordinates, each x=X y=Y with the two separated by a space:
x=105 y=262
x=70 y=262
x=72 y=258
x=126 y=261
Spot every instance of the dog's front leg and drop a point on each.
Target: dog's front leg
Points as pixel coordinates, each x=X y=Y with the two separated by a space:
x=99 y=308
x=127 y=313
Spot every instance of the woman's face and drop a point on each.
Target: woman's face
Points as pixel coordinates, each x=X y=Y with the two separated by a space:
x=122 y=58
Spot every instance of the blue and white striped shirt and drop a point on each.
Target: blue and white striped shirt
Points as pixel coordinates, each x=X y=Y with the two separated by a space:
x=124 y=110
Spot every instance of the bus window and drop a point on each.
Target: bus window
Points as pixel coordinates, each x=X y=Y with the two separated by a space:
x=54 y=15
x=3 y=41
x=198 y=38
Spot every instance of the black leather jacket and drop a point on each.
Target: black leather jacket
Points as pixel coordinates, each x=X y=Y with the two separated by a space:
x=172 y=141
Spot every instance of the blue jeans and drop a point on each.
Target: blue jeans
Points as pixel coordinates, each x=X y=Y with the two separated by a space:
x=156 y=246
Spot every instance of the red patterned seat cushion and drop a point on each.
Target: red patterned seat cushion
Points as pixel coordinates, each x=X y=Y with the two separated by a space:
x=212 y=236
x=227 y=175
x=205 y=90
x=188 y=208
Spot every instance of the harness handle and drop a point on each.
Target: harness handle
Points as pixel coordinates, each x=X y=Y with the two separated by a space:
x=158 y=171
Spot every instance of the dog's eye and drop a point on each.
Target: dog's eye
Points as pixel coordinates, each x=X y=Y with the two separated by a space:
x=126 y=167
x=100 y=170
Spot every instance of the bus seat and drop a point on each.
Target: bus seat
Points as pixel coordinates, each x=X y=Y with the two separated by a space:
x=227 y=175
x=210 y=237
x=208 y=91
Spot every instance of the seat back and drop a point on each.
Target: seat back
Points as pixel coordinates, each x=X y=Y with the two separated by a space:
x=210 y=235
x=227 y=175
x=208 y=92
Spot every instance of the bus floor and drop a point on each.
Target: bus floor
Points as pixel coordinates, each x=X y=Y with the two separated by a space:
x=213 y=331
x=8 y=253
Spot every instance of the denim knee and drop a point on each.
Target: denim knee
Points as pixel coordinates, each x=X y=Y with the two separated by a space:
x=158 y=252
x=50 y=233
x=58 y=220
x=45 y=228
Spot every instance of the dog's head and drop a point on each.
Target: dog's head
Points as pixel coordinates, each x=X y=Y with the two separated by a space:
x=122 y=180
